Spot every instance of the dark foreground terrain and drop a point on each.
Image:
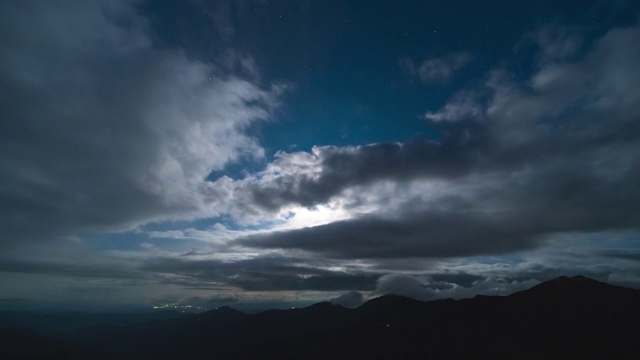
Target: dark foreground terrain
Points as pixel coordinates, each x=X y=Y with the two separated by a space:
x=565 y=318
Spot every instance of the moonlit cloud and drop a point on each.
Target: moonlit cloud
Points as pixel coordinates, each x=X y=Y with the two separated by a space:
x=464 y=106
x=510 y=155
x=104 y=129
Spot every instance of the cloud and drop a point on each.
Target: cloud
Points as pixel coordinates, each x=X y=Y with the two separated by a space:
x=311 y=179
x=404 y=285
x=351 y=299
x=329 y=169
x=90 y=267
x=464 y=106
x=103 y=128
x=627 y=254
x=554 y=43
x=438 y=70
x=557 y=156
x=425 y=289
x=423 y=234
x=263 y=273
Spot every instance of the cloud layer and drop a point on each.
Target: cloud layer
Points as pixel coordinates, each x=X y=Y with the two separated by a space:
x=557 y=156
x=106 y=128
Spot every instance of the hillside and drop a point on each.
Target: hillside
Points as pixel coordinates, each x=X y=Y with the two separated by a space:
x=564 y=318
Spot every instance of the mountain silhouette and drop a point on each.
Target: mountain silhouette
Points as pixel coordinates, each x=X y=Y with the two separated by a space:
x=564 y=318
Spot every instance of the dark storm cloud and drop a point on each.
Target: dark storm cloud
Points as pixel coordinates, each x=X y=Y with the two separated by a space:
x=102 y=129
x=562 y=155
x=263 y=274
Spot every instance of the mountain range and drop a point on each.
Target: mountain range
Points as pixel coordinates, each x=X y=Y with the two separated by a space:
x=564 y=318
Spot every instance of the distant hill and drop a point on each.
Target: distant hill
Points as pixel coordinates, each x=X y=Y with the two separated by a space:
x=564 y=318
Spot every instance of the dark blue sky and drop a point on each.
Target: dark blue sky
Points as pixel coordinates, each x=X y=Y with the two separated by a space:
x=345 y=58
x=293 y=151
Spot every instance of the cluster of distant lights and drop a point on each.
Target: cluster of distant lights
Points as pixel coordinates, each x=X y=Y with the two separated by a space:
x=185 y=308
x=178 y=307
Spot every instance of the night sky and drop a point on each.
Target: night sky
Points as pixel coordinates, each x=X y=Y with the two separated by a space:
x=276 y=153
